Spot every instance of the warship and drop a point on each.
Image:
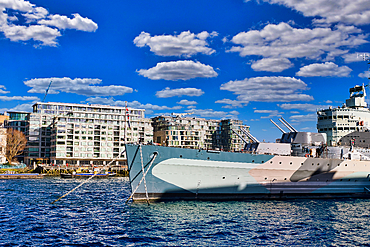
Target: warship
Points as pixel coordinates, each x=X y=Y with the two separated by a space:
x=298 y=165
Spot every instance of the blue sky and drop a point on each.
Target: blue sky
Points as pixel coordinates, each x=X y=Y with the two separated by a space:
x=248 y=60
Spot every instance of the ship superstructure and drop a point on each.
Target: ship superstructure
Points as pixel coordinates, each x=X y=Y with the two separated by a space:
x=299 y=165
x=353 y=116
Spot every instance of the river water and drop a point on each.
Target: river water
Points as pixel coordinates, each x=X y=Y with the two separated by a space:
x=96 y=215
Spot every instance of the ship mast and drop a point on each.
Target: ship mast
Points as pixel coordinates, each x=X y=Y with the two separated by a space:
x=366 y=58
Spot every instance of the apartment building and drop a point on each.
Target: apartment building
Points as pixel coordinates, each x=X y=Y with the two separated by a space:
x=226 y=139
x=3 y=118
x=83 y=134
x=184 y=132
x=191 y=132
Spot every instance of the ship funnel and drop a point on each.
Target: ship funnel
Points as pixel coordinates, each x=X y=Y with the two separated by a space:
x=277 y=126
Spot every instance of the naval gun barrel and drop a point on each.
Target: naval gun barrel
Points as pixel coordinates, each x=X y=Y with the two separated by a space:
x=294 y=130
x=254 y=139
x=286 y=124
x=239 y=136
x=277 y=126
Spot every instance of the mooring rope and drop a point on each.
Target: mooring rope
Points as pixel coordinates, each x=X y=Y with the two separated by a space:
x=142 y=170
x=144 y=174
x=78 y=186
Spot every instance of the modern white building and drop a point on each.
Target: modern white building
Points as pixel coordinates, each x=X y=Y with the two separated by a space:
x=83 y=134
x=340 y=121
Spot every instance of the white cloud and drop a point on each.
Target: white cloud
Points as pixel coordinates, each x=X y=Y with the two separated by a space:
x=307 y=129
x=149 y=106
x=272 y=64
x=186 y=102
x=324 y=69
x=231 y=103
x=167 y=92
x=2 y=89
x=303 y=118
x=178 y=70
x=19 y=108
x=271 y=113
x=185 y=44
x=22 y=98
x=268 y=89
x=81 y=86
x=63 y=22
x=46 y=35
x=209 y=113
x=284 y=41
x=27 y=22
x=365 y=74
x=355 y=57
x=303 y=107
x=355 y=12
x=133 y=104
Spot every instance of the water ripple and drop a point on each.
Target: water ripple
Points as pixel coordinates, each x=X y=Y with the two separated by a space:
x=96 y=215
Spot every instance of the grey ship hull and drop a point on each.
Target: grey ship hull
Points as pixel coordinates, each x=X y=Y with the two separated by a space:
x=189 y=174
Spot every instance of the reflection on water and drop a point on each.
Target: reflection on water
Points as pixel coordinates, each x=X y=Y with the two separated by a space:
x=96 y=215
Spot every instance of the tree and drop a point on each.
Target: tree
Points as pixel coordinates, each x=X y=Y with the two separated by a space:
x=15 y=144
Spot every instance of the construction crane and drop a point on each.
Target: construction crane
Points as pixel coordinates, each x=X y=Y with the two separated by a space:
x=47 y=90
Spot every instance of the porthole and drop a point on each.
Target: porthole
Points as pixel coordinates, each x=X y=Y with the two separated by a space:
x=180 y=156
x=262 y=161
x=328 y=164
x=345 y=165
x=252 y=161
x=291 y=163
x=207 y=158
x=223 y=177
x=301 y=164
x=280 y=162
x=318 y=164
x=271 y=162
x=313 y=164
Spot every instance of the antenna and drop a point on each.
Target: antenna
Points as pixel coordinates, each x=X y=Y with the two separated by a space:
x=47 y=90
